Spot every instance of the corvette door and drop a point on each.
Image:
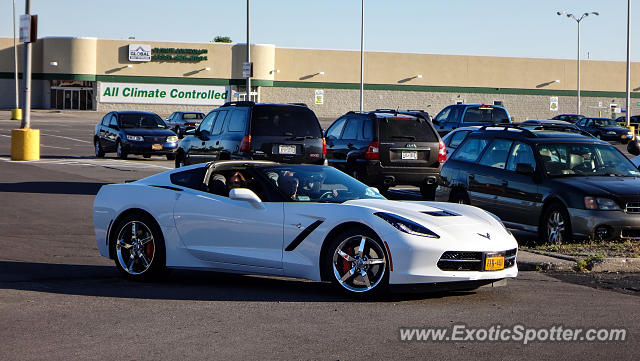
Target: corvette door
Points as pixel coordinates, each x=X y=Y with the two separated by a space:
x=218 y=229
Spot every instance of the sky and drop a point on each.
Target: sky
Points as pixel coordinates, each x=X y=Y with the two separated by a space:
x=510 y=28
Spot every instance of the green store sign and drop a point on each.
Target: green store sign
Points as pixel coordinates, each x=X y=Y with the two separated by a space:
x=179 y=54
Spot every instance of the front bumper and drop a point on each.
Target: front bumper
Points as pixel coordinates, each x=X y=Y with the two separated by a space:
x=147 y=148
x=376 y=173
x=593 y=224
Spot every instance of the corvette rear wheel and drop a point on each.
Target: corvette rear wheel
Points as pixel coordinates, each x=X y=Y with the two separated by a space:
x=138 y=248
x=357 y=263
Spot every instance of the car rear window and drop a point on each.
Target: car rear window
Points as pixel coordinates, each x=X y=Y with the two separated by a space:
x=406 y=128
x=485 y=115
x=284 y=120
x=187 y=116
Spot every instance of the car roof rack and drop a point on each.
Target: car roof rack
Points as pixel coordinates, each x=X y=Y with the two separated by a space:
x=553 y=127
x=414 y=113
x=506 y=127
x=242 y=103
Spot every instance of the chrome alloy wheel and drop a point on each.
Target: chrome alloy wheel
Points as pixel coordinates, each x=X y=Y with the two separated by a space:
x=555 y=228
x=135 y=248
x=359 y=264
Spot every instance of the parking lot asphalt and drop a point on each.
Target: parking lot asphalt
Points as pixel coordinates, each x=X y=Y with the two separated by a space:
x=60 y=299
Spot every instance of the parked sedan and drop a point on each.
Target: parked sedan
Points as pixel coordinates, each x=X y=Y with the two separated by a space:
x=605 y=129
x=180 y=122
x=562 y=185
x=134 y=132
x=305 y=221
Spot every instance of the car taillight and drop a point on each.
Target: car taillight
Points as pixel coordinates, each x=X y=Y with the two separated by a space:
x=442 y=152
x=245 y=146
x=190 y=124
x=324 y=146
x=373 y=151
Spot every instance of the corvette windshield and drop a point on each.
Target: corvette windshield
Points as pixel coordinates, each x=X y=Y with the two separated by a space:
x=583 y=160
x=308 y=183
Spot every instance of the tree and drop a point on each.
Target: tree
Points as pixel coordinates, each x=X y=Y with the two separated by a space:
x=222 y=39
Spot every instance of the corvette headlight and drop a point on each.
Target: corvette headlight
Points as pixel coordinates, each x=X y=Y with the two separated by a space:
x=499 y=221
x=603 y=204
x=407 y=226
x=172 y=139
x=135 y=138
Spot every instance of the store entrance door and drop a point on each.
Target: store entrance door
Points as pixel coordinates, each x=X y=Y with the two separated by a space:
x=72 y=98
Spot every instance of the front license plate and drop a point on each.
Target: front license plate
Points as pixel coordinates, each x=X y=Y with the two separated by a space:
x=287 y=149
x=411 y=154
x=494 y=263
x=156 y=147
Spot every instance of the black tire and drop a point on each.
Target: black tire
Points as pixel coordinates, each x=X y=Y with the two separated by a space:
x=348 y=276
x=98 y=149
x=428 y=191
x=171 y=156
x=555 y=225
x=460 y=196
x=146 y=155
x=120 y=153
x=135 y=259
x=180 y=160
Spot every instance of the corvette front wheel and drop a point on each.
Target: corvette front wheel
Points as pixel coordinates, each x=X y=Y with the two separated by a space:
x=357 y=263
x=138 y=247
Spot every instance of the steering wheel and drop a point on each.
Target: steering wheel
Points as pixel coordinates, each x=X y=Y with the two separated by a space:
x=327 y=195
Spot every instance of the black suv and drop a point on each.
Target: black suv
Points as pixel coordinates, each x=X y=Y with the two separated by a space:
x=384 y=148
x=563 y=185
x=286 y=133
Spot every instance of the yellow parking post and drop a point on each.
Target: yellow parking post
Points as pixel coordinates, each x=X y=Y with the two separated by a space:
x=632 y=128
x=16 y=114
x=25 y=144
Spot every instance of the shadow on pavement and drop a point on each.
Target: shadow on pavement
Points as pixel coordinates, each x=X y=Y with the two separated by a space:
x=86 y=188
x=106 y=281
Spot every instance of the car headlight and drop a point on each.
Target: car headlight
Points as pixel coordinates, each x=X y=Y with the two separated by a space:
x=135 y=138
x=407 y=226
x=499 y=221
x=603 y=204
x=172 y=139
x=611 y=132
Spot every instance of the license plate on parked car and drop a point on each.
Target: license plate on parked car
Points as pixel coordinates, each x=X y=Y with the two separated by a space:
x=409 y=154
x=494 y=262
x=287 y=149
x=156 y=147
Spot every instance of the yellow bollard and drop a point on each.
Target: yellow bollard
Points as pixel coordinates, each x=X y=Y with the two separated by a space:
x=25 y=144
x=16 y=114
x=633 y=131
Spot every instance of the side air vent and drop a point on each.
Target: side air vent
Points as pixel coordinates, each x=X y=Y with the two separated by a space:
x=441 y=213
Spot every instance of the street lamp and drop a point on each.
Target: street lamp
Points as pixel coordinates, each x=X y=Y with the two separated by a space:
x=578 y=20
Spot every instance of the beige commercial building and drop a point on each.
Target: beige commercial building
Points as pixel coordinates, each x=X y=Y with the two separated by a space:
x=97 y=74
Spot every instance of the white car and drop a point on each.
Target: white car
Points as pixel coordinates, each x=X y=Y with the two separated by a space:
x=305 y=221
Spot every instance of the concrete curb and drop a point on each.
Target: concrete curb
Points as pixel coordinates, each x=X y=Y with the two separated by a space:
x=534 y=260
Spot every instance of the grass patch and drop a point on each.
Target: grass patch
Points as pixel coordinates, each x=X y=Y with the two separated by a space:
x=621 y=248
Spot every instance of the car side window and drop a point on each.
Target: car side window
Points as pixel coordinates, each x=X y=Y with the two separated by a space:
x=207 y=122
x=454 y=115
x=521 y=153
x=354 y=124
x=442 y=117
x=171 y=117
x=336 y=129
x=496 y=154
x=105 y=120
x=220 y=119
x=113 y=121
x=238 y=119
x=367 y=129
x=470 y=150
x=192 y=178
x=457 y=138
x=580 y=123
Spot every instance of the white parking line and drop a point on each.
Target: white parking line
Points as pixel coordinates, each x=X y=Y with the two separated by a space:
x=106 y=163
x=60 y=136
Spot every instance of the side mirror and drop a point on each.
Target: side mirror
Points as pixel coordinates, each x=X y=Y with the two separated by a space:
x=247 y=195
x=524 y=168
x=633 y=147
x=436 y=122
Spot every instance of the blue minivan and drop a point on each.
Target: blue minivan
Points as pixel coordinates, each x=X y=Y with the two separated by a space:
x=464 y=115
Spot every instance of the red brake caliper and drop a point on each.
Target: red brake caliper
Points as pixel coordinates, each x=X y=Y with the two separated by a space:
x=346 y=265
x=149 y=250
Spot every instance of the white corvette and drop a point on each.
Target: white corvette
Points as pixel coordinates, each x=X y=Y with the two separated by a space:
x=304 y=221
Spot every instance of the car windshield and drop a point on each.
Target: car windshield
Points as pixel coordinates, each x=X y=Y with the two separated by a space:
x=584 y=160
x=485 y=114
x=604 y=122
x=141 y=120
x=284 y=120
x=309 y=183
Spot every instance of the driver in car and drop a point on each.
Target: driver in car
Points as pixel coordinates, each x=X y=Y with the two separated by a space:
x=236 y=180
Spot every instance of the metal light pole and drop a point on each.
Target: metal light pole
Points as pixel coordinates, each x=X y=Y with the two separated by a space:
x=15 y=56
x=628 y=63
x=26 y=120
x=578 y=20
x=248 y=55
x=362 y=57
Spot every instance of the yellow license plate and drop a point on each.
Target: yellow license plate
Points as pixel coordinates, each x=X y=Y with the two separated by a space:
x=156 y=147
x=494 y=263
